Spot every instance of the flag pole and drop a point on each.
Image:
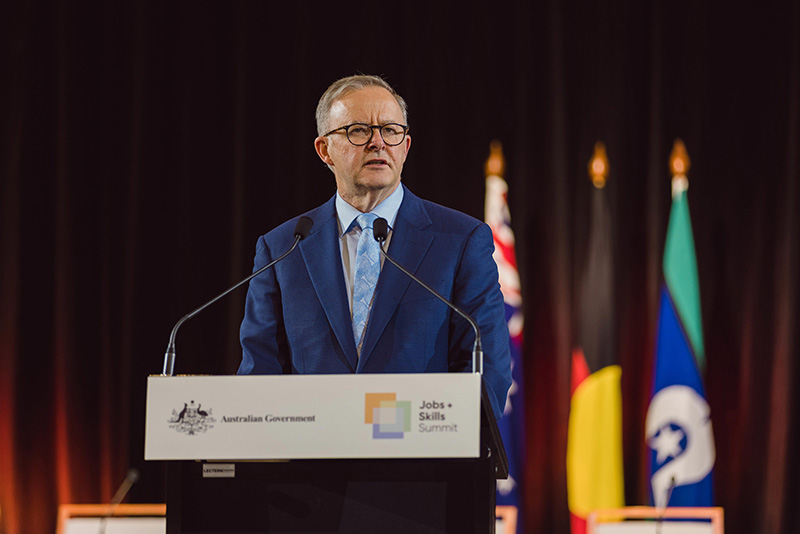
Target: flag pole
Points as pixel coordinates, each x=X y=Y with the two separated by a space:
x=598 y=165
x=679 y=165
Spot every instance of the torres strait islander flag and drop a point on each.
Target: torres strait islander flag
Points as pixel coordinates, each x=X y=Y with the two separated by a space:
x=511 y=425
x=594 y=443
x=678 y=426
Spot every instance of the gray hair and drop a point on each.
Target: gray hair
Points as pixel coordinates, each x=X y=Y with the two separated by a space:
x=341 y=87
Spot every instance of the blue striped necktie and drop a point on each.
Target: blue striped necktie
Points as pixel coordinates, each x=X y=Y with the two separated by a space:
x=368 y=267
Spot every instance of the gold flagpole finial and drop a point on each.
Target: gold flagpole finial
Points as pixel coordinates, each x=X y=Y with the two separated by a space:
x=679 y=166
x=679 y=162
x=598 y=165
x=496 y=163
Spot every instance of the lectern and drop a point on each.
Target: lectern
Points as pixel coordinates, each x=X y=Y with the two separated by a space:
x=387 y=453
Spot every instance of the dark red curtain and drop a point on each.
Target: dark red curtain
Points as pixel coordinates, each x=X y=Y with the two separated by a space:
x=145 y=146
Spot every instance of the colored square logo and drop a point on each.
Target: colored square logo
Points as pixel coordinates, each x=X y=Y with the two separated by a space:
x=390 y=418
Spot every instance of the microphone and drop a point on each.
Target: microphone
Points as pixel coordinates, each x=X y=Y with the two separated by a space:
x=380 y=229
x=662 y=512
x=301 y=230
x=131 y=478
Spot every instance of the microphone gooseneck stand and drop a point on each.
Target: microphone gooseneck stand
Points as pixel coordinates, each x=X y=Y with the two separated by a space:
x=380 y=229
x=302 y=229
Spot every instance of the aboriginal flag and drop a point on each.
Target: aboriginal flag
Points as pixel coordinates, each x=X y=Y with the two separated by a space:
x=594 y=445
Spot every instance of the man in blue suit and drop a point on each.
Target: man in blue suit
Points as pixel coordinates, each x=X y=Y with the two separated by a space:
x=299 y=315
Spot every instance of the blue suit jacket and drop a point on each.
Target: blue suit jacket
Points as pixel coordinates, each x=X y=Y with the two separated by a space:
x=297 y=317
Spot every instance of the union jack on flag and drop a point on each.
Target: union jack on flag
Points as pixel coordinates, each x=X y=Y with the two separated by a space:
x=512 y=423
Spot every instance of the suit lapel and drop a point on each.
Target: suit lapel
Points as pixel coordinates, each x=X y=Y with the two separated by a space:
x=328 y=279
x=408 y=247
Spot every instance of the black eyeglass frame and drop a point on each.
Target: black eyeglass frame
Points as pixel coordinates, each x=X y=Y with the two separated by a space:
x=372 y=128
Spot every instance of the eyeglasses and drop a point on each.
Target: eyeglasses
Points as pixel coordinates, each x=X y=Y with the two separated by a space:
x=359 y=134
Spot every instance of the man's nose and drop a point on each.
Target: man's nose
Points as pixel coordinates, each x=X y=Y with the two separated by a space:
x=376 y=141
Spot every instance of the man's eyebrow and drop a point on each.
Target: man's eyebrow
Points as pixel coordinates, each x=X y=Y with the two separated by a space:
x=382 y=123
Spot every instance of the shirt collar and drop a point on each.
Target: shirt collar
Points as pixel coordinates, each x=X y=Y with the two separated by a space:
x=386 y=209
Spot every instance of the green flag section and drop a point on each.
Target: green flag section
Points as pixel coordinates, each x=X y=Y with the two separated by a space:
x=594 y=444
x=680 y=273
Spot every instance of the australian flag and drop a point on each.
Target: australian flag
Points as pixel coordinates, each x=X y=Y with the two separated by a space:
x=512 y=423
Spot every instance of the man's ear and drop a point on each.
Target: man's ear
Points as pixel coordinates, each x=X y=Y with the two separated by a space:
x=321 y=146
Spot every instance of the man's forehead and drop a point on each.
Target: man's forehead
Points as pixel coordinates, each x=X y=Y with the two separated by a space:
x=367 y=100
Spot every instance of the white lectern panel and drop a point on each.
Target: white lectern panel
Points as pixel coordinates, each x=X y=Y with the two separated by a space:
x=647 y=520
x=111 y=519
x=116 y=525
x=313 y=416
x=650 y=527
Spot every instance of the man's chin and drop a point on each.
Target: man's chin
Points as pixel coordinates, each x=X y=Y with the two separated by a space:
x=379 y=181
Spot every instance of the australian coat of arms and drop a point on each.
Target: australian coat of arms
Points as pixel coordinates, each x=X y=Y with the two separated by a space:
x=191 y=419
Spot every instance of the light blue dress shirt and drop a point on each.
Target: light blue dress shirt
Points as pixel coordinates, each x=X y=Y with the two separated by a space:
x=349 y=234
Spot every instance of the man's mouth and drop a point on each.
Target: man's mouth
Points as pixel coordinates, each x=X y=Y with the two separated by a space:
x=375 y=162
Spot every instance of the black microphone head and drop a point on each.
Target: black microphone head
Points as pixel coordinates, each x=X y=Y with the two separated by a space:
x=303 y=227
x=380 y=229
x=133 y=475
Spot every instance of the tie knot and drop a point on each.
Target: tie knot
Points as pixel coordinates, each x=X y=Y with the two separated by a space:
x=366 y=220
